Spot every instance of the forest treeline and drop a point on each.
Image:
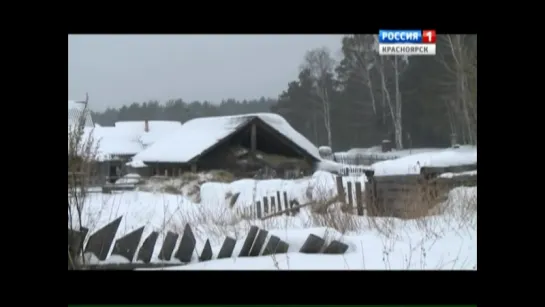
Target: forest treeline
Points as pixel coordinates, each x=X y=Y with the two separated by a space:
x=358 y=100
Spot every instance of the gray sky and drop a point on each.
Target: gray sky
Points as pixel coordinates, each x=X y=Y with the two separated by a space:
x=121 y=69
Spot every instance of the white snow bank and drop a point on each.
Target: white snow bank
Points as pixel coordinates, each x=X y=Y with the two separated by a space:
x=199 y=134
x=412 y=164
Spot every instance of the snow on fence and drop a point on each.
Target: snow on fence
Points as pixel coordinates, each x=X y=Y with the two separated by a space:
x=99 y=244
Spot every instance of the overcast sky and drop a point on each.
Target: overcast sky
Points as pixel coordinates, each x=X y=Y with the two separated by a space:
x=121 y=69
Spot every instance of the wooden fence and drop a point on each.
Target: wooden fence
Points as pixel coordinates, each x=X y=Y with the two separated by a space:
x=257 y=242
x=270 y=206
x=402 y=196
x=412 y=196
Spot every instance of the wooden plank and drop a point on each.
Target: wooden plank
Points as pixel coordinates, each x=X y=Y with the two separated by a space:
x=359 y=200
x=227 y=248
x=395 y=179
x=258 y=207
x=282 y=247
x=279 y=201
x=340 y=189
x=273 y=205
x=146 y=250
x=168 y=246
x=313 y=245
x=271 y=246
x=258 y=243
x=349 y=190
x=248 y=242
x=265 y=206
x=127 y=245
x=206 y=253
x=336 y=247
x=187 y=245
x=287 y=204
x=100 y=242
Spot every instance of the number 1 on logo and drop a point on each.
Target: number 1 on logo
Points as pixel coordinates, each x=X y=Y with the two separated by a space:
x=429 y=37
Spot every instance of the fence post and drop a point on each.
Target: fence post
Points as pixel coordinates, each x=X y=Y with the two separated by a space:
x=371 y=198
x=265 y=206
x=359 y=200
x=287 y=204
x=279 y=201
x=258 y=207
x=349 y=190
x=340 y=189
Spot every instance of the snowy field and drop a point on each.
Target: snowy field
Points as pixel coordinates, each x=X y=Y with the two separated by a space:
x=445 y=240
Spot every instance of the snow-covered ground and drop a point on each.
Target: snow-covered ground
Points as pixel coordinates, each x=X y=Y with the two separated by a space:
x=445 y=240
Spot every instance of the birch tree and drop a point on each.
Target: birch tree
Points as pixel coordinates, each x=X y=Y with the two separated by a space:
x=320 y=64
x=365 y=59
x=361 y=57
x=460 y=60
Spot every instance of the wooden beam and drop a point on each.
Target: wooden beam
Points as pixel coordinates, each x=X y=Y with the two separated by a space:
x=253 y=138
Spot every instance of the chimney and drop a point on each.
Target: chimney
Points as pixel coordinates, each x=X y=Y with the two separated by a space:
x=146 y=126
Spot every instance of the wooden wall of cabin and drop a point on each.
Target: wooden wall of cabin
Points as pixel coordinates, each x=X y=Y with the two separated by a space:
x=164 y=169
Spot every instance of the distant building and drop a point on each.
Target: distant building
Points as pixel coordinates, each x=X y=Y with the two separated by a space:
x=118 y=144
x=247 y=145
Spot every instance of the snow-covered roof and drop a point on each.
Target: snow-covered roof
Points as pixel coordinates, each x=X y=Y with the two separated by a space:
x=128 y=138
x=110 y=142
x=75 y=109
x=116 y=142
x=199 y=134
x=156 y=129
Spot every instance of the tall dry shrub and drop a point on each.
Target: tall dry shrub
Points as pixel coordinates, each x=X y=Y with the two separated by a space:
x=82 y=158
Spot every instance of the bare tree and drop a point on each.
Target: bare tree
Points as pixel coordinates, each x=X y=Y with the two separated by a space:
x=320 y=65
x=362 y=61
x=399 y=64
x=460 y=61
x=365 y=59
x=82 y=155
